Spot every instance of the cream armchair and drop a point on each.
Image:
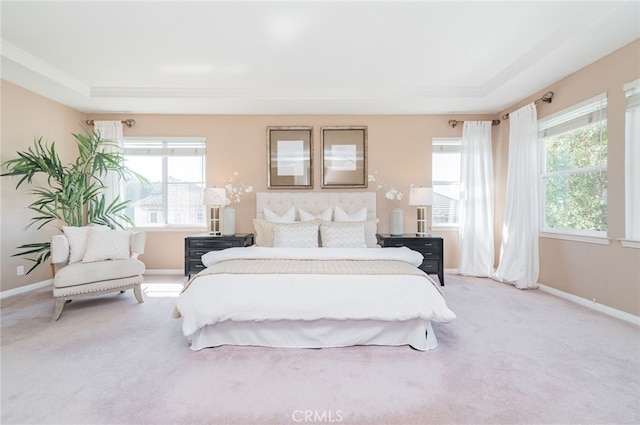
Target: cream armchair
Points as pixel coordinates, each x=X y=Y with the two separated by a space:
x=97 y=276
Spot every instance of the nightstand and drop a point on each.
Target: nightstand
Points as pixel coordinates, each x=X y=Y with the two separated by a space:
x=198 y=245
x=431 y=248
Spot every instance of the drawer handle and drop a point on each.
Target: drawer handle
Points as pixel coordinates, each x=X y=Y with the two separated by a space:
x=198 y=243
x=428 y=253
x=428 y=244
x=228 y=244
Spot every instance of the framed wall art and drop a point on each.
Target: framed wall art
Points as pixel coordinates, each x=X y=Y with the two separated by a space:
x=344 y=157
x=289 y=158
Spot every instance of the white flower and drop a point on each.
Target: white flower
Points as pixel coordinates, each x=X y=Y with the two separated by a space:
x=391 y=194
x=234 y=194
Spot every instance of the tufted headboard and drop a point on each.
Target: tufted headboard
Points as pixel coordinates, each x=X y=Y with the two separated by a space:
x=316 y=202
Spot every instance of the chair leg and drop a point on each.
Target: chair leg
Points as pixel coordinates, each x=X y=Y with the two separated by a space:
x=137 y=290
x=57 y=311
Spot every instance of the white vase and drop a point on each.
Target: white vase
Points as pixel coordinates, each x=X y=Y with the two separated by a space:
x=228 y=221
x=395 y=222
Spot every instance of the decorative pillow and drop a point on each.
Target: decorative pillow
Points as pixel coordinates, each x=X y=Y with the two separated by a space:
x=265 y=230
x=295 y=236
x=346 y=236
x=77 y=237
x=107 y=245
x=307 y=216
x=342 y=215
x=288 y=217
x=370 y=229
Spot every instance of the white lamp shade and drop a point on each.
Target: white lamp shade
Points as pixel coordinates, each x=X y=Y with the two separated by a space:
x=421 y=196
x=215 y=196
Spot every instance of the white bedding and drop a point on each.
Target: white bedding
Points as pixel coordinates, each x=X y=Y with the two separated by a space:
x=225 y=298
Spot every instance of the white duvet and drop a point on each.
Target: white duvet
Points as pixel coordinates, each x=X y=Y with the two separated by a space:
x=216 y=298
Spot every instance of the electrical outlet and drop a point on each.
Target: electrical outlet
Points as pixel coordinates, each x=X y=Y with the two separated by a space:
x=20 y=270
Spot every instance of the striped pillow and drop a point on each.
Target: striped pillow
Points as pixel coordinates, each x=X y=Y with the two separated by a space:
x=295 y=236
x=345 y=236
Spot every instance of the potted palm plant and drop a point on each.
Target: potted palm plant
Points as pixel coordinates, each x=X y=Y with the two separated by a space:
x=74 y=194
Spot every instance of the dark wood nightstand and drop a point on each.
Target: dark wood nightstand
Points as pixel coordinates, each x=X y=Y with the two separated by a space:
x=431 y=248
x=198 y=245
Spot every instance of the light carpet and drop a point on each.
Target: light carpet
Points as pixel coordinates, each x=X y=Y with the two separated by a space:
x=511 y=357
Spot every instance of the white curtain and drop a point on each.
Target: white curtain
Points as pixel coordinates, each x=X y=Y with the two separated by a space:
x=519 y=257
x=476 y=200
x=110 y=130
x=632 y=161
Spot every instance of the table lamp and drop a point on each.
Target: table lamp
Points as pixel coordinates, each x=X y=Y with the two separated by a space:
x=421 y=197
x=215 y=197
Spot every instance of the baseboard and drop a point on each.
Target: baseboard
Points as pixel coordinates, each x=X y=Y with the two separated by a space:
x=164 y=271
x=451 y=271
x=26 y=288
x=618 y=314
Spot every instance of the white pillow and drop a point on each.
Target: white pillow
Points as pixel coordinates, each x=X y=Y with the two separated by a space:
x=288 y=217
x=346 y=236
x=295 y=236
x=107 y=245
x=265 y=230
x=370 y=229
x=342 y=215
x=77 y=237
x=307 y=216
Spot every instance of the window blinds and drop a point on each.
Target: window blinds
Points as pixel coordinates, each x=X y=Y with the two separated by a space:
x=591 y=111
x=191 y=146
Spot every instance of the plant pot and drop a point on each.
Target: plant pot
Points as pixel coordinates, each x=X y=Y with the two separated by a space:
x=395 y=222
x=228 y=221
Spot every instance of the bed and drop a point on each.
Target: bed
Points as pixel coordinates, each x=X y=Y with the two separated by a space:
x=287 y=291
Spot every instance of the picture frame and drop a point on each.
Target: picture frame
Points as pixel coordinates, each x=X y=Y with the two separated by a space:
x=289 y=157
x=344 y=157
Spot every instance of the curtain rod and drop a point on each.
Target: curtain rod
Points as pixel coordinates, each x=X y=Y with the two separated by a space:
x=128 y=122
x=453 y=123
x=547 y=98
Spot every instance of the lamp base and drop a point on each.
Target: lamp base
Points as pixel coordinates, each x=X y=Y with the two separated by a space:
x=215 y=221
x=422 y=222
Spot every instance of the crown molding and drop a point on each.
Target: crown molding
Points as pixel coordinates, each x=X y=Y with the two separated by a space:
x=30 y=62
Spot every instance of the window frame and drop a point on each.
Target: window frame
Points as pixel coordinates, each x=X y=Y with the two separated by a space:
x=632 y=105
x=570 y=119
x=195 y=144
x=454 y=144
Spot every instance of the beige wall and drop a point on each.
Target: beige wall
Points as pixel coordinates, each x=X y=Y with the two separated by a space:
x=26 y=115
x=607 y=274
x=399 y=149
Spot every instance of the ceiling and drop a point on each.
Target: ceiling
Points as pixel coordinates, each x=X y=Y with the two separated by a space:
x=304 y=57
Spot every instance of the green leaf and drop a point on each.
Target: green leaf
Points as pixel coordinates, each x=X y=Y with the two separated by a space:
x=73 y=194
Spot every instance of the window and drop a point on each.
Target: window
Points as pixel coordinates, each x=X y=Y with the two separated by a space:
x=632 y=159
x=574 y=169
x=446 y=181
x=175 y=168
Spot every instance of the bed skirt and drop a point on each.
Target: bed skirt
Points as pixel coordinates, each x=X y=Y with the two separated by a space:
x=324 y=333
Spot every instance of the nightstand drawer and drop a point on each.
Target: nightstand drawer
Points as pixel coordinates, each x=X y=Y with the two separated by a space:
x=423 y=245
x=197 y=253
x=430 y=266
x=427 y=253
x=215 y=243
x=195 y=266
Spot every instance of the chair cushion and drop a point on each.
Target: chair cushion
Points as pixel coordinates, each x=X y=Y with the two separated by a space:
x=83 y=273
